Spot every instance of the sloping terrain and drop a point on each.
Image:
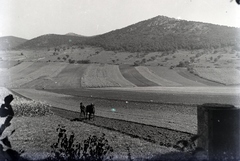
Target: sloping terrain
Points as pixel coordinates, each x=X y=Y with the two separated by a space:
x=132 y=75
x=9 y=42
x=7 y=64
x=191 y=76
x=162 y=34
x=154 y=78
x=104 y=75
x=156 y=34
x=48 y=71
x=173 y=76
x=70 y=76
x=227 y=76
x=50 y=40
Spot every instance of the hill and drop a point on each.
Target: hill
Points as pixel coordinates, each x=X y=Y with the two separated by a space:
x=162 y=33
x=156 y=34
x=73 y=34
x=51 y=40
x=9 y=42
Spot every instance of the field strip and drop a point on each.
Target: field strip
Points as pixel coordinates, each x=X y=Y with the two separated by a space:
x=132 y=75
x=124 y=111
x=50 y=70
x=154 y=78
x=228 y=76
x=231 y=90
x=18 y=68
x=33 y=67
x=191 y=76
x=71 y=76
x=8 y=75
x=11 y=72
x=104 y=76
x=119 y=77
x=172 y=75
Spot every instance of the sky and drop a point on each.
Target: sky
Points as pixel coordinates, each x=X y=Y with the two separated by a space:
x=32 y=18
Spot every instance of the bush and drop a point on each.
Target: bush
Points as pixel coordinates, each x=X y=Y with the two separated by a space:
x=93 y=149
x=83 y=61
x=30 y=108
x=71 y=61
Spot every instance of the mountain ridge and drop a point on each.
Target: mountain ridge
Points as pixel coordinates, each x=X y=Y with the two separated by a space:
x=162 y=33
x=159 y=33
x=8 y=42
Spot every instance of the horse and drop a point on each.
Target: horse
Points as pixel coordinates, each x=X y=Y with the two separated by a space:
x=90 y=111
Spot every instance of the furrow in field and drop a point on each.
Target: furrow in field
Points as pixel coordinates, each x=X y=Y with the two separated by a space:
x=227 y=76
x=70 y=77
x=132 y=75
x=183 y=72
x=173 y=76
x=104 y=76
x=48 y=71
x=155 y=78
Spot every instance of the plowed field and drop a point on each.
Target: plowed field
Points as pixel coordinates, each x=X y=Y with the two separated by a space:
x=132 y=75
x=227 y=76
x=173 y=76
x=104 y=76
x=155 y=78
x=70 y=76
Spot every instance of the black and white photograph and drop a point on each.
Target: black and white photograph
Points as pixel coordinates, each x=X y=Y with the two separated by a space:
x=120 y=80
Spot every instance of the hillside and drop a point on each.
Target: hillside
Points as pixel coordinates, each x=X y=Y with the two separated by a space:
x=74 y=34
x=9 y=42
x=162 y=33
x=51 y=40
x=157 y=34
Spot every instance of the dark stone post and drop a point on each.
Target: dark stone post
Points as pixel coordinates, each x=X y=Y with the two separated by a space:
x=219 y=130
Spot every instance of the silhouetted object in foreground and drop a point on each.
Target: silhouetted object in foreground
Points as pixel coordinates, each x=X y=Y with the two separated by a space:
x=6 y=115
x=238 y=1
x=6 y=111
x=90 y=111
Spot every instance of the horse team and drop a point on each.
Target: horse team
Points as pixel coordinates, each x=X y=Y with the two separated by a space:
x=88 y=111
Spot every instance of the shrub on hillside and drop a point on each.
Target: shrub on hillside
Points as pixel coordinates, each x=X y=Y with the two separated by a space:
x=83 y=61
x=183 y=64
x=71 y=61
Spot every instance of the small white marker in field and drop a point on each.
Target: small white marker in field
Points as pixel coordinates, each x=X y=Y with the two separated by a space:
x=113 y=109
x=151 y=100
x=91 y=96
x=126 y=101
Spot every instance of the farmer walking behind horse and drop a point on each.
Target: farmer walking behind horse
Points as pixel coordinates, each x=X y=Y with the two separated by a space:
x=82 y=110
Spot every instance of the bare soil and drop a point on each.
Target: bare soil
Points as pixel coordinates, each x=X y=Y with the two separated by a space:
x=35 y=135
